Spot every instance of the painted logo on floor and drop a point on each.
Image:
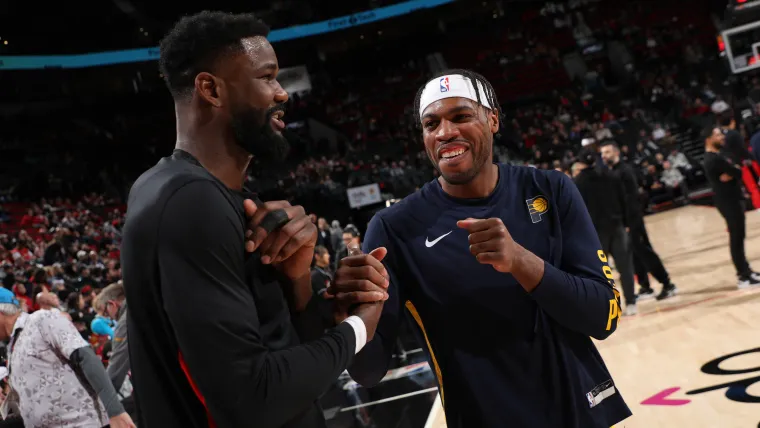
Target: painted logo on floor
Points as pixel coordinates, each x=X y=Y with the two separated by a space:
x=734 y=391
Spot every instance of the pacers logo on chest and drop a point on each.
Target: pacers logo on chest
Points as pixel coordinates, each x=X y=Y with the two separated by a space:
x=537 y=207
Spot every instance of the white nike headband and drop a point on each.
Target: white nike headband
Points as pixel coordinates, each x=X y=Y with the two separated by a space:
x=451 y=86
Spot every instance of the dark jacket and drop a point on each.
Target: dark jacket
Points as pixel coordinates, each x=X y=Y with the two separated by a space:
x=604 y=196
x=630 y=181
x=735 y=147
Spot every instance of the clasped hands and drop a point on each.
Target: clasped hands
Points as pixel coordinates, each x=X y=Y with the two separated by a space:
x=290 y=249
x=360 y=278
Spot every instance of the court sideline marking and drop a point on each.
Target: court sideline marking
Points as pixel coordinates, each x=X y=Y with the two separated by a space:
x=385 y=400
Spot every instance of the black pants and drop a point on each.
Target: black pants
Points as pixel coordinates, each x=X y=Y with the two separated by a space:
x=615 y=242
x=645 y=259
x=733 y=213
x=12 y=422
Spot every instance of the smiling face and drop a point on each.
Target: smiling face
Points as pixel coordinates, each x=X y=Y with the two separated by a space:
x=458 y=137
x=246 y=90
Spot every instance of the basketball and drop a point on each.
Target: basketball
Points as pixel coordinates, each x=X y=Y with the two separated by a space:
x=540 y=205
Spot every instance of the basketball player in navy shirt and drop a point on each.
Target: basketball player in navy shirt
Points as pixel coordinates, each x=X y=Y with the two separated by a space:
x=502 y=270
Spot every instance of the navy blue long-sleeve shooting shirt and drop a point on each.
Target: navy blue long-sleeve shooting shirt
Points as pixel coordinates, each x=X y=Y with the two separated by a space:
x=503 y=357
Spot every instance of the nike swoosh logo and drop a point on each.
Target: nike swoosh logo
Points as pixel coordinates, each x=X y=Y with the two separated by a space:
x=435 y=241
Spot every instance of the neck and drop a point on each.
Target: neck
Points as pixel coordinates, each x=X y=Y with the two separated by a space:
x=10 y=321
x=479 y=187
x=216 y=151
x=711 y=149
x=321 y=265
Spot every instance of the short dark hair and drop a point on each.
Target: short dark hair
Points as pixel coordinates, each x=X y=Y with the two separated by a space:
x=197 y=41
x=609 y=143
x=474 y=78
x=587 y=156
x=320 y=250
x=706 y=133
x=725 y=118
x=351 y=229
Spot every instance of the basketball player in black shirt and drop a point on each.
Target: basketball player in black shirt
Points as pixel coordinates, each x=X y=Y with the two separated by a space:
x=220 y=328
x=725 y=179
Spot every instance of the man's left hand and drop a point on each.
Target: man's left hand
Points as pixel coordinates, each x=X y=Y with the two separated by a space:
x=491 y=243
x=289 y=248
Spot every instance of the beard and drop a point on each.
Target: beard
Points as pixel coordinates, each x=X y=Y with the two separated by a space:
x=254 y=133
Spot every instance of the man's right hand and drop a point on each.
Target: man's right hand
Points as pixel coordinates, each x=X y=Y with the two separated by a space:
x=725 y=178
x=121 y=421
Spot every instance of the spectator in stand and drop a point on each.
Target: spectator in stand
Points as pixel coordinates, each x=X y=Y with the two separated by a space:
x=321 y=278
x=20 y=291
x=32 y=219
x=719 y=106
x=679 y=160
x=76 y=309
x=55 y=375
x=672 y=178
x=324 y=238
x=658 y=132
x=114 y=302
x=320 y=273
x=46 y=301
x=103 y=325
x=336 y=236
x=351 y=239
x=652 y=183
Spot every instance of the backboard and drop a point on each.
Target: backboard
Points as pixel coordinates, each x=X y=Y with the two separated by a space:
x=742 y=47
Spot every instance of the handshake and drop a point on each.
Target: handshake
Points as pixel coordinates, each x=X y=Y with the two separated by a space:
x=360 y=287
x=287 y=243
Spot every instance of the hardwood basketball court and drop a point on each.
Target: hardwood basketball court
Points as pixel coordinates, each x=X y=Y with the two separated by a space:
x=666 y=361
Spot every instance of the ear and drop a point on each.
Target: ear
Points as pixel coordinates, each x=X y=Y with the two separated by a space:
x=493 y=120
x=209 y=88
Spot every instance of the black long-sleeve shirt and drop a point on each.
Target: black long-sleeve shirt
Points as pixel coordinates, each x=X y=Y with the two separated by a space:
x=604 y=196
x=715 y=165
x=211 y=341
x=735 y=147
x=502 y=356
x=630 y=181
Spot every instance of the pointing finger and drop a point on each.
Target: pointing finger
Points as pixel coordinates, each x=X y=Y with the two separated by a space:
x=473 y=224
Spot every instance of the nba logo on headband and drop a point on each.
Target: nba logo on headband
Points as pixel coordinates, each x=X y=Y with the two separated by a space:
x=444 y=84
x=452 y=86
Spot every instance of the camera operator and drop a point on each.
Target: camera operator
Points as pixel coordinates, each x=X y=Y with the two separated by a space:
x=604 y=196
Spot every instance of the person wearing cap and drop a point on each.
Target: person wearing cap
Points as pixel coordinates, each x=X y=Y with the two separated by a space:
x=46 y=358
x=503 y=272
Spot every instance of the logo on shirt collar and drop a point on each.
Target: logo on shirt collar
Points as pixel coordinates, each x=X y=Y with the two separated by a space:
x=537 y=206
